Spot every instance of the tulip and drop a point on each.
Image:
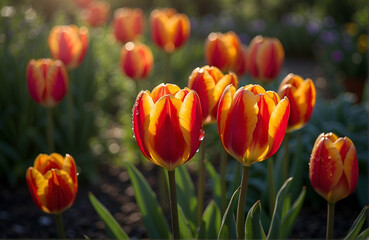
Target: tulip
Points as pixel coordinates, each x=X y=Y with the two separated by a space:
x=265 y=58
x=47 y=81
x=301 y=94
x=251 y=126
x=53 y=182
x=136 y=60
x=96 y=14
x=169 y=29
x=128 y=24
x=69 y=44
x=83 y=3
x=226 y=52
x=333 y=171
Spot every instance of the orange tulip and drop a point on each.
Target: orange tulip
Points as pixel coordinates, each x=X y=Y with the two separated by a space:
x=53 y=182
x=226 y=52
x=128 y=24
x=69 y=44
x=136 y=60
x=301 y=94
x=83 y=3
x=169 y=29
x=209 y=83
x=265 y=58
x=333 y=167
x=96 y=14
x=47 y=81
x=167 y=125
x=251 y=122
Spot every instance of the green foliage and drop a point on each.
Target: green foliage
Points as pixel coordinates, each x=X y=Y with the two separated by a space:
x=228 y=225
x=357 y=225
x=211 y=220
x=253 y=227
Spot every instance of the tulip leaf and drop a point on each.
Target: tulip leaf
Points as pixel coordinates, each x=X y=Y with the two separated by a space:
x=186 y=196
x=107 y=218
x=357 y=225
x=364 y=234
x=210 y=223
x=217 y=188
x=185 y=230
x=228 y=225
x=288 y=220
x=275 y=223
x=152 y=214
x=253 y=227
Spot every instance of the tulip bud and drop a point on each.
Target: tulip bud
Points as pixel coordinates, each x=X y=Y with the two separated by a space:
x=169 y=29
x=167 y=125
x=265 y=58
x=69 y=44
x=333 y=169
x=301 y=94
x=47 y=81
x=128 y=24
x=209 y=83
x=226 y=52
x=96 y=14
x=251 y=122
x=136 y=60
x=52 y=182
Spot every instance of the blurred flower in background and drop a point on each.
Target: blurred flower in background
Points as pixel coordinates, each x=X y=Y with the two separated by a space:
x=136 y=60
x=128 y=24
x=96 y=14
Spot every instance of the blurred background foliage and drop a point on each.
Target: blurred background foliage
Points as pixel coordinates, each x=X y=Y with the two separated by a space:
x=311 y=29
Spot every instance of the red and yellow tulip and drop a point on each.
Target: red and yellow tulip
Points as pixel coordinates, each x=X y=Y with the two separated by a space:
x=209 y=83
x=251 y=122
x=167 y=125
x=333 y=167
x=128 y=24
x=226 y=52
x=47 y=81
x=301 y=94
x=69 y=44
x=53 y=182
x=169 y=29
x=136 y=60
x=96 y=14
x=265 y=58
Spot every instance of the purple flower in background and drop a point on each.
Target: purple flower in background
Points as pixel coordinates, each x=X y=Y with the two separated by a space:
x=329 y=22
x=286 y=19
x=347 y=42
x=244 y=37
x=258 y=25
x=337 y=56
x=313 y=27
x=329 y=36
x=194 y=23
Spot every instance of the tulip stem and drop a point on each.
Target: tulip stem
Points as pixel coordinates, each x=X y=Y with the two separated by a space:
x=50 y=130
x=173 y=204
x=271 y=186
x=241 y=203
x=223 y=168
x=60 y=225
x=285 y=157
x=201 y=184
x=70 y=115
x=330 y=220
x=167 y=68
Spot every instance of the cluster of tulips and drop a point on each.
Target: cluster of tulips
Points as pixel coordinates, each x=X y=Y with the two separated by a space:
x=168 y=122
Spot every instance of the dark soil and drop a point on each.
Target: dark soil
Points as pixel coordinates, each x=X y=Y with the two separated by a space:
x=20 y=218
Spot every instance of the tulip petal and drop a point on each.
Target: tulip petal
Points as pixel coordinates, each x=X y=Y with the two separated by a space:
x=35 y=81
x=69 y=166
x=34 y=179
x=57 y=82
x=162 y=90
x=225 y=103
x=219 y=88
x=45 y=162
x=351 y=169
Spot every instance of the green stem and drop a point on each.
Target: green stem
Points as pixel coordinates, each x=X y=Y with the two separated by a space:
x=50 y=130
x=60 y=225
x=173 y=204
x=285 y=157
x=271 y=186
x=70 y=116
x=241 y=203
x=167 y=68
x=330 y=220
x=223 y=171
x=163 y=194
x=201 y=184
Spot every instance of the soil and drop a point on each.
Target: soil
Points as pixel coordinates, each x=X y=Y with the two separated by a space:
x=20 y=218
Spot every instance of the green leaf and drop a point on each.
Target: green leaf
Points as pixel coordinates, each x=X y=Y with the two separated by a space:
x=364 y=234
x=253 y=227
x=217 y=186
x=107 y=218
x=185 y=230
x=275 y=223
x=210 y=221
x=289 y=219
x=228 y=226
x=357 y=225
x=152 y=215
x=186 y=196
